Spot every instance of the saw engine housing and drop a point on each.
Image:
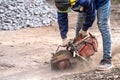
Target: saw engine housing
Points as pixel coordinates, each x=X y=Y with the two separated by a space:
x=87 y=46
x=80 y=47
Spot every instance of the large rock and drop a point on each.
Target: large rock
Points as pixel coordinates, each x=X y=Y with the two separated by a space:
x=16 y=14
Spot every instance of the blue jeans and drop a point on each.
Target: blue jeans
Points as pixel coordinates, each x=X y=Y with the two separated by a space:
x=103 y=17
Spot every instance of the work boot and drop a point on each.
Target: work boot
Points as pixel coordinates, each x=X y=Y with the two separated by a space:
x=105 y=64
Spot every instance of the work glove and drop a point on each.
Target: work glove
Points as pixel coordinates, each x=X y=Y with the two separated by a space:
x=83 y=33
x=65 y=42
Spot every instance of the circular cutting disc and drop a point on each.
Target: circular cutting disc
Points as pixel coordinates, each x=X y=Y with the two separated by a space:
x=63 y=64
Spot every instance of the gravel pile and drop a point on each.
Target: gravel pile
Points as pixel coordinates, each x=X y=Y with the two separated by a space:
x=114 y=74
x=16 y=14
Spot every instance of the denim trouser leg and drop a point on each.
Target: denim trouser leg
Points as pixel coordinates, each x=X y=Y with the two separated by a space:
x=103 y=15
x=79 y=24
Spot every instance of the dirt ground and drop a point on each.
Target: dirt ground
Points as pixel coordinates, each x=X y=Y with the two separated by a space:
x=25 y=54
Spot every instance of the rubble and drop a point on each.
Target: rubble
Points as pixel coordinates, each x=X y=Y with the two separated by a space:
x=113 y=74
x=16 y=14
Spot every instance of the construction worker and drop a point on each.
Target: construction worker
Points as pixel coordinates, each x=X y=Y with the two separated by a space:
x=103 y=21
x=80 y=6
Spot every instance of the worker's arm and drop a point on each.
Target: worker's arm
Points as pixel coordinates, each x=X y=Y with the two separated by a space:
x=89 y=9
x=63 y=24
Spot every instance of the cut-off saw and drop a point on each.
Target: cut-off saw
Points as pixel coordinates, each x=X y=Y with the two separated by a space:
x=80 y=47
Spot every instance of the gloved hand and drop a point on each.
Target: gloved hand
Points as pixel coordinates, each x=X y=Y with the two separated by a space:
x=65 y=42
x=83 y=33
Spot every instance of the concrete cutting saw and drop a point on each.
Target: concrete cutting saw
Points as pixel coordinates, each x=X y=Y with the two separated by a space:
x=79 y=47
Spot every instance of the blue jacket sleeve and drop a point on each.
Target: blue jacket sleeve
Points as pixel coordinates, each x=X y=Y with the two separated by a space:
x=89 y=9
x=63 y=24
